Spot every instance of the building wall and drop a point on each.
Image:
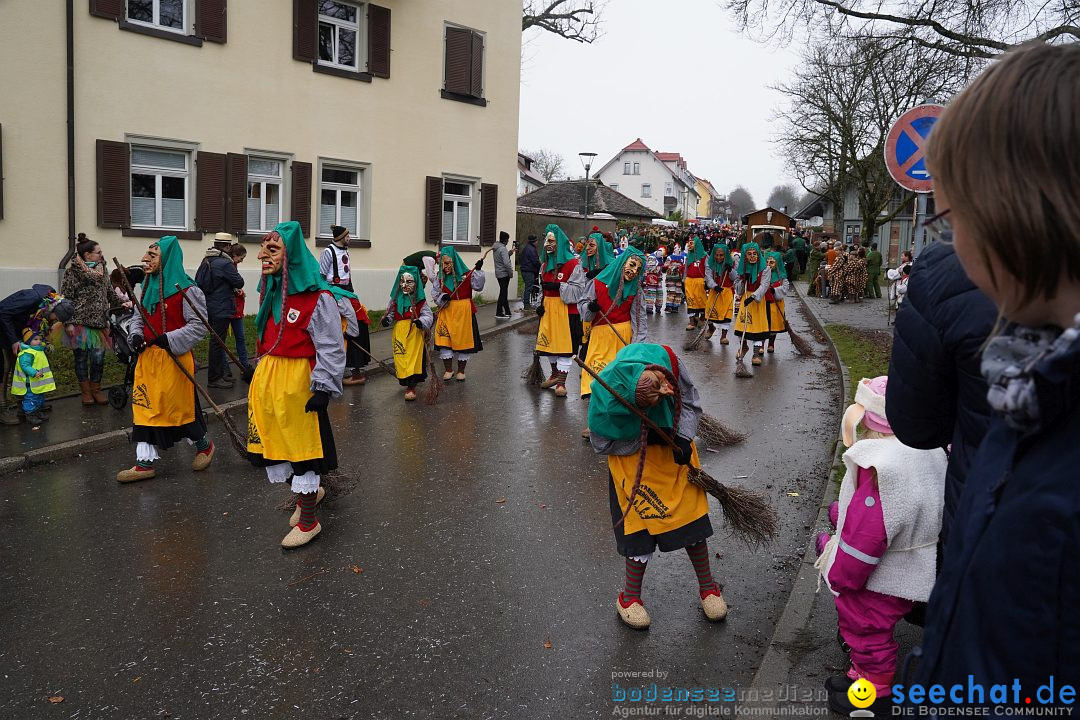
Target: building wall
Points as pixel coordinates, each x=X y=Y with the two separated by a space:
x=653 y=172
x=575 y=228
x=251 y=95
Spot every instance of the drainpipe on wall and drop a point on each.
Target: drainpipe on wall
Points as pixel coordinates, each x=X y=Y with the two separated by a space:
x=70 y=135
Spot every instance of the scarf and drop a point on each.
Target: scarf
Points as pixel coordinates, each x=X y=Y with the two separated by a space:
x=603 y=256
x=459 y=269
x=564 y=253
x=299 y=273
x=162 y=285
x=611 y=276
x=696 y=254
x=607 y=416
x=720 y=269
x=745 y=268
x=402 y=301
x=1021 y=362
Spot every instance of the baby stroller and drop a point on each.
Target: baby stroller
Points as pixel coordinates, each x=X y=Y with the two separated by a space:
x=119 y=327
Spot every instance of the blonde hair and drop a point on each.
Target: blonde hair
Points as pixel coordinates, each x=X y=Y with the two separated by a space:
x=1004 y=151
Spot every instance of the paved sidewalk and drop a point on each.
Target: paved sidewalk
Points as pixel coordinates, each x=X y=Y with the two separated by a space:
x=865 y=315
x=71 y=422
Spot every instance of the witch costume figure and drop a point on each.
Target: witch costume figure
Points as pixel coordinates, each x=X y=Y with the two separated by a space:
x=302 y=362
x=563 y=281
x=694 y=282
x=720 y=279
x=596 y=256
x=164 y=404
x=653 y=503
x=408 y=313
x=456 y=332
x=752 y=321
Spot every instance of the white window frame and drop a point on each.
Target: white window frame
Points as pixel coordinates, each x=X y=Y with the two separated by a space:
x=187 y=174
x=155 y=23
x=264 y=180
x=669 y=189
x=626 y=168
x=637 y=168
x=473 y=200
x=646 y=190
x=359 y=49
x=363 y=180
x=614 y=186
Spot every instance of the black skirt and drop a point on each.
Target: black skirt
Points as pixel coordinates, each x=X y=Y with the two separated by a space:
x=643 y=542
x=165 y=437
x=319 y=466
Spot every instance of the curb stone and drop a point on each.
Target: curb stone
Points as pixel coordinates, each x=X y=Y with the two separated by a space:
x=101 y=441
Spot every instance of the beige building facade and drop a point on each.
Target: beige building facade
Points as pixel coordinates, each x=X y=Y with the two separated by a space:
x=191 y=117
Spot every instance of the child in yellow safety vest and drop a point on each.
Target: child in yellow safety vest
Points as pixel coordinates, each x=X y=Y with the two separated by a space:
x=33 y=377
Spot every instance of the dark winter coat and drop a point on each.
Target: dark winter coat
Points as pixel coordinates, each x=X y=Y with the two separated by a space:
x=530 y=260
x=16 y=309
x=1005 y=603
x=218 y=278
x=936 y=394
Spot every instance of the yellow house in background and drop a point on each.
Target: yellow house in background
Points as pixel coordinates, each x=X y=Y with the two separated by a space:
x=708 y=199
x=397 y=120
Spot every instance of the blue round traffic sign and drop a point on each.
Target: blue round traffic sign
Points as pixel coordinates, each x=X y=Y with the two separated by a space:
x=905 y=155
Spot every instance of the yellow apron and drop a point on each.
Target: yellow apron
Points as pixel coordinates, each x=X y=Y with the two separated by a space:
x=720 y=308
x=694 y=289
x=666 y=500
x=752 y=318
x=553 y=338
x=586 y=332
x=161 y=395
x=776 y=317
x=278 y=426
x=454 y=327
x=408 y=349
x=602 y=350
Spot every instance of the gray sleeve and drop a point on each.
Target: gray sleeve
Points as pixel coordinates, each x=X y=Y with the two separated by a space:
x=587 y=296
x=604 y=446
x=183 y=339
x=639 y=325
x=710 y=278
x=326 y=264
x=691 y=405
x=426 y=316
x=345 y=310
x=571 y=289
x=782 y=291
x=325 y=332
x=135 y=324
x=478 y=280
x=763 y=286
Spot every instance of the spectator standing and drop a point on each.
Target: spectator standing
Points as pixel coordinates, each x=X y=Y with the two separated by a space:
x=873 y=272
x=86 y=285
x=802 y=254
x=36 y=307
x=335 y=268
x=529 y=266
x=504 y=270
x=238 y=252
x=813 y=265
x=219 y=280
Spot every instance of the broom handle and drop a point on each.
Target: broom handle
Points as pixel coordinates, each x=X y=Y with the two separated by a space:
x=146 y=319
x=628 y=405
x=617 y=333
x=364 y=350
x=213 y=333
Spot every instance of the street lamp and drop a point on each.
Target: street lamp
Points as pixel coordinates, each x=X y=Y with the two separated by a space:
x=587 y=160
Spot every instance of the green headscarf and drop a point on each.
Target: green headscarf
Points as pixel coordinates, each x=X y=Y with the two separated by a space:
x=780 y=269
x=403 y=301
x=340 y=292
x=697 y=253
x=607 y=416
x=564 y=251
x=172 y=273
x=603 y=257
x=301 y=267
x=752 y=270
x=719 y=269
x=459 y=268
x=611 y=275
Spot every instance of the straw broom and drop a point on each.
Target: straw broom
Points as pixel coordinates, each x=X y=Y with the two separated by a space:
x=695 y=343
x=748 y=513
x=741 y=371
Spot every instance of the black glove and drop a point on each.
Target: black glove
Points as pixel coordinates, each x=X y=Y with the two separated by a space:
x=418 y=323
x=386 y=320
x=681 y=454
x=318 y=401
x=540 y=310
x=594 y=306
x=550 y=286
x=479 y=264
x=751 y=299
x=248 y=374
x=162 y=341
x=592 y=273
x=444 y=298
x=138 y=343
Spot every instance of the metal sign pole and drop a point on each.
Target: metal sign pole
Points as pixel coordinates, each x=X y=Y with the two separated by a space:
x=920 y=218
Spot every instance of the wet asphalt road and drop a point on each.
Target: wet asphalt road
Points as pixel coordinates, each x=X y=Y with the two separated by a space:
x=481 y=533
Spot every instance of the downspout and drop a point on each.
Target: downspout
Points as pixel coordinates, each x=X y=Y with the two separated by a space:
x=70 y=134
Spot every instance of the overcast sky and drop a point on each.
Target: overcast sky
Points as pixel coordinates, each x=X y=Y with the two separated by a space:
x=676 y=74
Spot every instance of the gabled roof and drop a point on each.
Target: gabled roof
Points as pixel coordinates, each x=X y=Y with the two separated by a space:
x=569 y=195
x=525 y=169
x=676 y=158
x=636 y=145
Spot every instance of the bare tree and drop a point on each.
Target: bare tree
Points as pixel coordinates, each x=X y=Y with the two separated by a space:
x=784 y=197
x=547 y=163
x=741 y=202
x=844 y=99
x=577 y=20
x=966 y=28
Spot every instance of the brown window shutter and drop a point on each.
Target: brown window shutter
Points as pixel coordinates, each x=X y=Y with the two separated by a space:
x=236 y=179
x=210 y=193
x=1 y=172
x=305 y=29
x=211 y=20
x=379 y=41
x=458 y=61
x=489 y=212
x=113 y=184
x=433 y=211
x=301 y=196
x=112 y=9
x=476 y=73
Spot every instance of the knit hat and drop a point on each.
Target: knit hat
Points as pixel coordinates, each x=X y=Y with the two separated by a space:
x=339 y=231
x=868 y=409
x=29 y=334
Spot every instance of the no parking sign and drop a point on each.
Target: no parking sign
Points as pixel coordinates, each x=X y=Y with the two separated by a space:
x=904 y=154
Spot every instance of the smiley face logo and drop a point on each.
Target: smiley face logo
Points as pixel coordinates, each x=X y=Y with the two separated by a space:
x=862 y=693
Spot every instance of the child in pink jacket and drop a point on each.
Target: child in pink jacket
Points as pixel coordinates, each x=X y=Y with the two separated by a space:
x=883 y=557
